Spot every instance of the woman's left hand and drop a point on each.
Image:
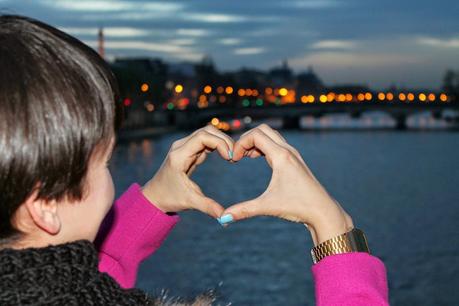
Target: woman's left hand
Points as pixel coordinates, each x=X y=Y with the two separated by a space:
x=171 y=189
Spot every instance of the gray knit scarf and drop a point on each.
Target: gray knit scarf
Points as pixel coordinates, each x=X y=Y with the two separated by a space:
x=68 y=274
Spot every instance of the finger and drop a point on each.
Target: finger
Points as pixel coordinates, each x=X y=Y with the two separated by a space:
x=257 y=139
x=275 y=135
x=213 y=130
x=208 y=206
x=254 y=153
x=244 y=210
x=180 y=142
x=279 y=139
x=205 y=140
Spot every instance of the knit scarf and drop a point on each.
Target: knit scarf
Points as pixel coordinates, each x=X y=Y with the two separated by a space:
x=66 y=274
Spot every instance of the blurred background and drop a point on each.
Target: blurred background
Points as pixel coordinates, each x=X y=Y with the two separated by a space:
x=366 y=90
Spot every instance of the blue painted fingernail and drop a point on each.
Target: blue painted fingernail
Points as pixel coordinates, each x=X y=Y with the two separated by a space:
x=230 y=154
x=225 y=219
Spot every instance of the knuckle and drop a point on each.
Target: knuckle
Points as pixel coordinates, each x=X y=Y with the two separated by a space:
x=174 y=158
x=201 y=134
x=175 y=144
x=284 y=155
x=244 y=212
x=210 y=127
x=264 y=126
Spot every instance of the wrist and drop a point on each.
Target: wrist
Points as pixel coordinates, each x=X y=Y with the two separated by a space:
x=330 y=223
x=153 y=196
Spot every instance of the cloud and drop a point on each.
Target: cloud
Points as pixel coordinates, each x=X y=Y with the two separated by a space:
x=213 y=18
x=249 y=51
x=441 y=43
x=168 y=49
x=109 y=31
x=182 y=41
x=313 y=4
x=230 y=41
x=193 y=32
x=334 y=44
x=370 y=59
x=113 y=5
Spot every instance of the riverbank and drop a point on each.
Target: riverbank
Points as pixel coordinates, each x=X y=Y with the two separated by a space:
x=125 y=135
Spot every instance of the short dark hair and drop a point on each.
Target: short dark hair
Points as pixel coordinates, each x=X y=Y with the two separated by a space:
x=59 y=104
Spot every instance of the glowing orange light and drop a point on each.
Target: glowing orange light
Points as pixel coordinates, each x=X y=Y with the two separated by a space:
x=215 y=121
x=229 y=90
x=381 y=96
x=349 y=97
x=144 y=87
x=248 y=92
x=269 y=91
x=443 y=97
x=402 y=97
x=323 y=98
x=360 y=97
x=330 y=97
x=241 y=92
x=283 y=92
x=368 y=96
x=431 y=97
x=304 y=99
x=389 y=96
x=208 y=89
x=311 y=99
x=422 y=97
x=178 y=88
x=410 y=97
x=254 y=92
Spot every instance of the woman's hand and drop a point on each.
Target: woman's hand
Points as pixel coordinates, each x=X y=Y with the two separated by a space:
x=293 y=193
x=171 y=189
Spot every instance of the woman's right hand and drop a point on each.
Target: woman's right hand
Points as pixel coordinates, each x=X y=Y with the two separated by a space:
x=171 y=189
x=293 y=193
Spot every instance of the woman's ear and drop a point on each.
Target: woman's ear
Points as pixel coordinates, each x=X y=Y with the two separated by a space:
x=43 y=213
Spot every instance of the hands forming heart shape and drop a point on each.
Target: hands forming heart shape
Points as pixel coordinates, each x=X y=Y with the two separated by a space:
x=293 y=194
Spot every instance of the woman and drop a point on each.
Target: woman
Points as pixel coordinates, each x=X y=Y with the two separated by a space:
x=58 y=117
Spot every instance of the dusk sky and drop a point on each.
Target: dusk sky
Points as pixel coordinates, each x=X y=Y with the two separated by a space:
x=407 y=43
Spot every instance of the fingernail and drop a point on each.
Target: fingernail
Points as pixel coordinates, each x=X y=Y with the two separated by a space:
x=230 y=154
x=225 y=219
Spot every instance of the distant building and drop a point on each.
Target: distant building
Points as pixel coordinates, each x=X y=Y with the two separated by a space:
x=309 y=83
x=101 y=47
x=282 y=76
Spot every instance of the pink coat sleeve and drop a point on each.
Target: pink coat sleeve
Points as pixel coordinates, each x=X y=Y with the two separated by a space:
x=350 y=279
x=133 y=229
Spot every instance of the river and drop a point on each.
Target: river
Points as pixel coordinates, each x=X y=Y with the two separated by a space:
x=401 y=188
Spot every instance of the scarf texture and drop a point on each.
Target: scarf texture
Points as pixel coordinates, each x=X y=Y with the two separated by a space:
x=68 y=274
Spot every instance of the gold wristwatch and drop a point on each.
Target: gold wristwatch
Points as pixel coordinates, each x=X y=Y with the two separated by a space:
x=352 y=241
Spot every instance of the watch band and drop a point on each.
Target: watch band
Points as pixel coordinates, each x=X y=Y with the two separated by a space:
x=352 y=241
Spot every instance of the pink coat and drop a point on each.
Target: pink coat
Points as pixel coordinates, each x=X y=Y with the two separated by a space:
x=136 y=229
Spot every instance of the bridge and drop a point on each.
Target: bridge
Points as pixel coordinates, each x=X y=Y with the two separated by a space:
x=193 y=117
x=292 y=113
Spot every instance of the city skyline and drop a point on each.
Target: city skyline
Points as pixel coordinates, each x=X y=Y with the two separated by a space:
x=409 y=44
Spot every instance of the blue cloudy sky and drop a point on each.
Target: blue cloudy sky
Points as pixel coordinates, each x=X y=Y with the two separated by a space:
x=375 y=42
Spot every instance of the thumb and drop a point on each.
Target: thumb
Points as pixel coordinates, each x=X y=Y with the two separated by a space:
x=243 y=210
x=209 y=207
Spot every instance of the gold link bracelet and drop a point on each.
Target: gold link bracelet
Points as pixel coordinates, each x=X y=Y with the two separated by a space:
x=352 y=241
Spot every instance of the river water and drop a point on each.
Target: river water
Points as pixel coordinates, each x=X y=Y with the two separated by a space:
x=401 y=188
